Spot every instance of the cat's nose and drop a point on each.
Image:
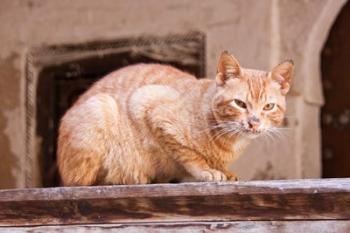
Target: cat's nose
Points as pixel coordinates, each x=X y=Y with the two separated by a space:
x=253 y=122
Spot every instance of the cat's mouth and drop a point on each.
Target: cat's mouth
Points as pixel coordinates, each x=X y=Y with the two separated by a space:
x=251 y=133
x=238 y=129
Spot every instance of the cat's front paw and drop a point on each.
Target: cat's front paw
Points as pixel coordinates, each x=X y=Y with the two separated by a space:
x=231 y=176
x=210 y=175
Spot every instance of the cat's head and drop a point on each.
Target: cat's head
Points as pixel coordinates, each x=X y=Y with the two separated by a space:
x=250 y=102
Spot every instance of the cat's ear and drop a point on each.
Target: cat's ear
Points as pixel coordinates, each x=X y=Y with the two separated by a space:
x=228 y=67
x=283 y=74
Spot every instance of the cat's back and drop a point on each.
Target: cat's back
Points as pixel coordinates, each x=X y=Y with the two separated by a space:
x=126 y=80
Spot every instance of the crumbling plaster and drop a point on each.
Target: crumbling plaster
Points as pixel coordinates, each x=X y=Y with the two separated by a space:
x=259 y=33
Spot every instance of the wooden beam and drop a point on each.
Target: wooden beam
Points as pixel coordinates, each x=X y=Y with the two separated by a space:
x=222 y=227
x=327 y=199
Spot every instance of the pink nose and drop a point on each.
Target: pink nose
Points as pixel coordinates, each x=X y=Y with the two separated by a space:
x=253 y=122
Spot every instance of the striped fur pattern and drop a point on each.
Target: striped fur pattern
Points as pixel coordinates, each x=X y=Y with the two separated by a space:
x=151 y=123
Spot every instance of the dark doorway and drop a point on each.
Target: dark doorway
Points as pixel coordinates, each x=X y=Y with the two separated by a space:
x=336 y=86
x=67 y=71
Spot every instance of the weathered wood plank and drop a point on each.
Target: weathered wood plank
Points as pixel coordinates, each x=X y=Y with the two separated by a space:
x=239 y=226
x=258 y=200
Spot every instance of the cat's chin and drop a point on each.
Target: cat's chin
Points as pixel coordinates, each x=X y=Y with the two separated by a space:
x=250 y=135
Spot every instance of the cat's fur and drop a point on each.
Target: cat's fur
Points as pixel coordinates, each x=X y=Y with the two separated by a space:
x=154 y=123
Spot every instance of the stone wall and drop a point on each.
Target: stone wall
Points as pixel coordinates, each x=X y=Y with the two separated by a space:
x=259 y=33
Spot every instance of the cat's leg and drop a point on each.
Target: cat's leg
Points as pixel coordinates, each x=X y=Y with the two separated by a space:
x=79 y=167
x=198 y=167
x=231 y=176
x=163 y=127
x=128 y=172
x=153 y=107
x=84 y=140
x=193 y=162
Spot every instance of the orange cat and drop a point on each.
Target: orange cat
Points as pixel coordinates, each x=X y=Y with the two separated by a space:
x=154 y=123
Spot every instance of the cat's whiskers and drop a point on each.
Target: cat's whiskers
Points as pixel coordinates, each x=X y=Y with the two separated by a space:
x=218 y=135
x=269 y=136
x=226 y=128
x=277 y=132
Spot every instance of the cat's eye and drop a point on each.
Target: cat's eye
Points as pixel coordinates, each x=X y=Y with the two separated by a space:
x=240 y=103
x=269 y=106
